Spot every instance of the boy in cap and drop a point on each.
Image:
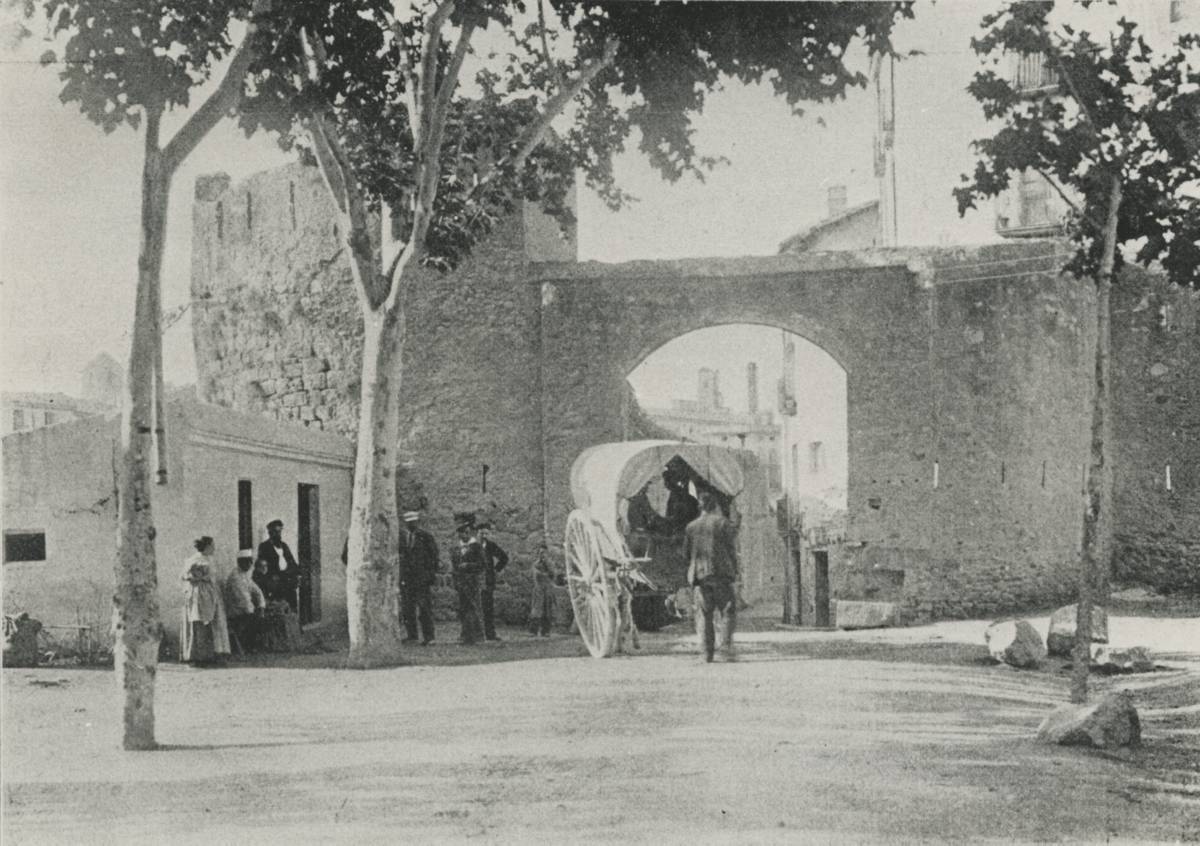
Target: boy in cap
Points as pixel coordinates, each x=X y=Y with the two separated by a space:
x=418 y=570
x=244 y=602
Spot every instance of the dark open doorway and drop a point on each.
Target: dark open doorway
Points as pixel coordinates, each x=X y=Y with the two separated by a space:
x=821 y=588
x=308 y=547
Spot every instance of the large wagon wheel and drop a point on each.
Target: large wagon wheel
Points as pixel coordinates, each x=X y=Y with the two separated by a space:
x=594 y=591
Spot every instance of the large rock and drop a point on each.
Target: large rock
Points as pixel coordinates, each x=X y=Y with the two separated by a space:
x=1061 y=638
x=1113 y=721
x=864 y=615
x=1135 y=659
x=1015 y=642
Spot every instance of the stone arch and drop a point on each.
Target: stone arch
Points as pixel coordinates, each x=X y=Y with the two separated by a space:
x=829 y=341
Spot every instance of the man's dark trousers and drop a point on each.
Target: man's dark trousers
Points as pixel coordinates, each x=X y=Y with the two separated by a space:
x=716 y=594
x=487 y=601
x=416 y=605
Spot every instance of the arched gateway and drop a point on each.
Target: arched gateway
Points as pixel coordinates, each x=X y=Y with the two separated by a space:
x=967 y=380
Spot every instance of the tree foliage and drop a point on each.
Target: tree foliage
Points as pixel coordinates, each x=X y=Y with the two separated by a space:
x=119 y=58
x=649 y=70
x=1119 y=109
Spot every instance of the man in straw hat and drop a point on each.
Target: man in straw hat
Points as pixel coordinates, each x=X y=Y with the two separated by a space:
x=466 y=565
x=418 y=570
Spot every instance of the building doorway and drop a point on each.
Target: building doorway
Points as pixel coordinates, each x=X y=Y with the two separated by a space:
x=308 y=546
x=821 y=588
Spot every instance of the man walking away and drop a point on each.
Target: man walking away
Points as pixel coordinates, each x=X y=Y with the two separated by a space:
x=710 y=544
x=466 y=563
x=495 y=560
x=418 y=570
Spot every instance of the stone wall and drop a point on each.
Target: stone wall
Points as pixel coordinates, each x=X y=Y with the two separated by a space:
x=1156 y=425
x=968 y=378
x=967 y=401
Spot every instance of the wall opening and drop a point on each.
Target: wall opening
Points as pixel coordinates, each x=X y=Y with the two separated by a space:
x=765 y=390
x=308 y=547
x=778 y=399
x=24 y=546
x=245 y=506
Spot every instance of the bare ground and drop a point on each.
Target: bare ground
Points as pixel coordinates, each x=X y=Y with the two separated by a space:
x=811 y=737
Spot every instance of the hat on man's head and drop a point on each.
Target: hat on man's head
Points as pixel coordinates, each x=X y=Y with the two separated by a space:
x=411 y=516
x=464 y=519
x=273 y=524
x=486 y=524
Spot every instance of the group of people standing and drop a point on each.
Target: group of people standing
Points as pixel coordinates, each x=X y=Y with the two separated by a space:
x=217 y=606
x=475 y=562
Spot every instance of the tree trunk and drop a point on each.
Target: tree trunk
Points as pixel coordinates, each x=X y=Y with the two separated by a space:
x=1097 y=516
x=372 y=578
x=135 y=604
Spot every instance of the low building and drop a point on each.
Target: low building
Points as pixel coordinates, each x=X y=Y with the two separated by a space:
x=843 y=227
x=228 y=475
x=21 y=411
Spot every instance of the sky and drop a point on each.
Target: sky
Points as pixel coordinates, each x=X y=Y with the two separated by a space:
x=69 y=196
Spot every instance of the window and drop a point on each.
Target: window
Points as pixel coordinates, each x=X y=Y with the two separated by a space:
x=816 y=457
x=50 y=418
x=18 y=419
x=24 y=546
x=245 y=515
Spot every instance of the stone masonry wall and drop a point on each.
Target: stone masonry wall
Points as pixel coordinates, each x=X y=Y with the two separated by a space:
x=278 y=331
x=1156 y=425
x=967 y=376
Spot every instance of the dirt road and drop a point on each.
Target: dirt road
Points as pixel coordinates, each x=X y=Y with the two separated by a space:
x=783 y=746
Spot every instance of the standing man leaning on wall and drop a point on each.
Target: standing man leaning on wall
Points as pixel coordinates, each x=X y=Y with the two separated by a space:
x=283 y=573
x=495 y=560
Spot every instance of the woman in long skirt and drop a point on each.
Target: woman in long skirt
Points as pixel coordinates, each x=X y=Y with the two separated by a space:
x=205 y=635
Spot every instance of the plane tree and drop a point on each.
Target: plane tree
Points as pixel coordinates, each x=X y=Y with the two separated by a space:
x=1117 y=134
x=441 y=116
x=128 y=64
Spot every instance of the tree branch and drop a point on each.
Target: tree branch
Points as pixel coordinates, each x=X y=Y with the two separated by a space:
x=219 y=103
x=1074 y=206
x=550 y=63
x=429 y=159
x=533 y=134
x=424 y=81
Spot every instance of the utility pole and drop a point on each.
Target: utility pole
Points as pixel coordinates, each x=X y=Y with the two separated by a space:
x=787 y=410
x=883 y=71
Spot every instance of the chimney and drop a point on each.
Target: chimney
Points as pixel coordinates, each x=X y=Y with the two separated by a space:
x=752 y=387
x=837 y=200
x=708 y=393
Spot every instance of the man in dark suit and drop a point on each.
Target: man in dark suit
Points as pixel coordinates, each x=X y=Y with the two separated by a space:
x=283 y=573
x=466 y=563
x=495 y=560
x=418 y=569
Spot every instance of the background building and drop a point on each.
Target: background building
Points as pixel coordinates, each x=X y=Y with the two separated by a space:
x=229 y=474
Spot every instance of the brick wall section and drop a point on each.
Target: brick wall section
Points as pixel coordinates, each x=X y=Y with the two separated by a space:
x=1156 y=399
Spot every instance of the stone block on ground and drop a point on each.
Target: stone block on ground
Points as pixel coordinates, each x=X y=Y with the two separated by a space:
x=1060 y=639
x=1016 y=643
x=852 y=614
x=1108 y=723
x=1134 y=659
